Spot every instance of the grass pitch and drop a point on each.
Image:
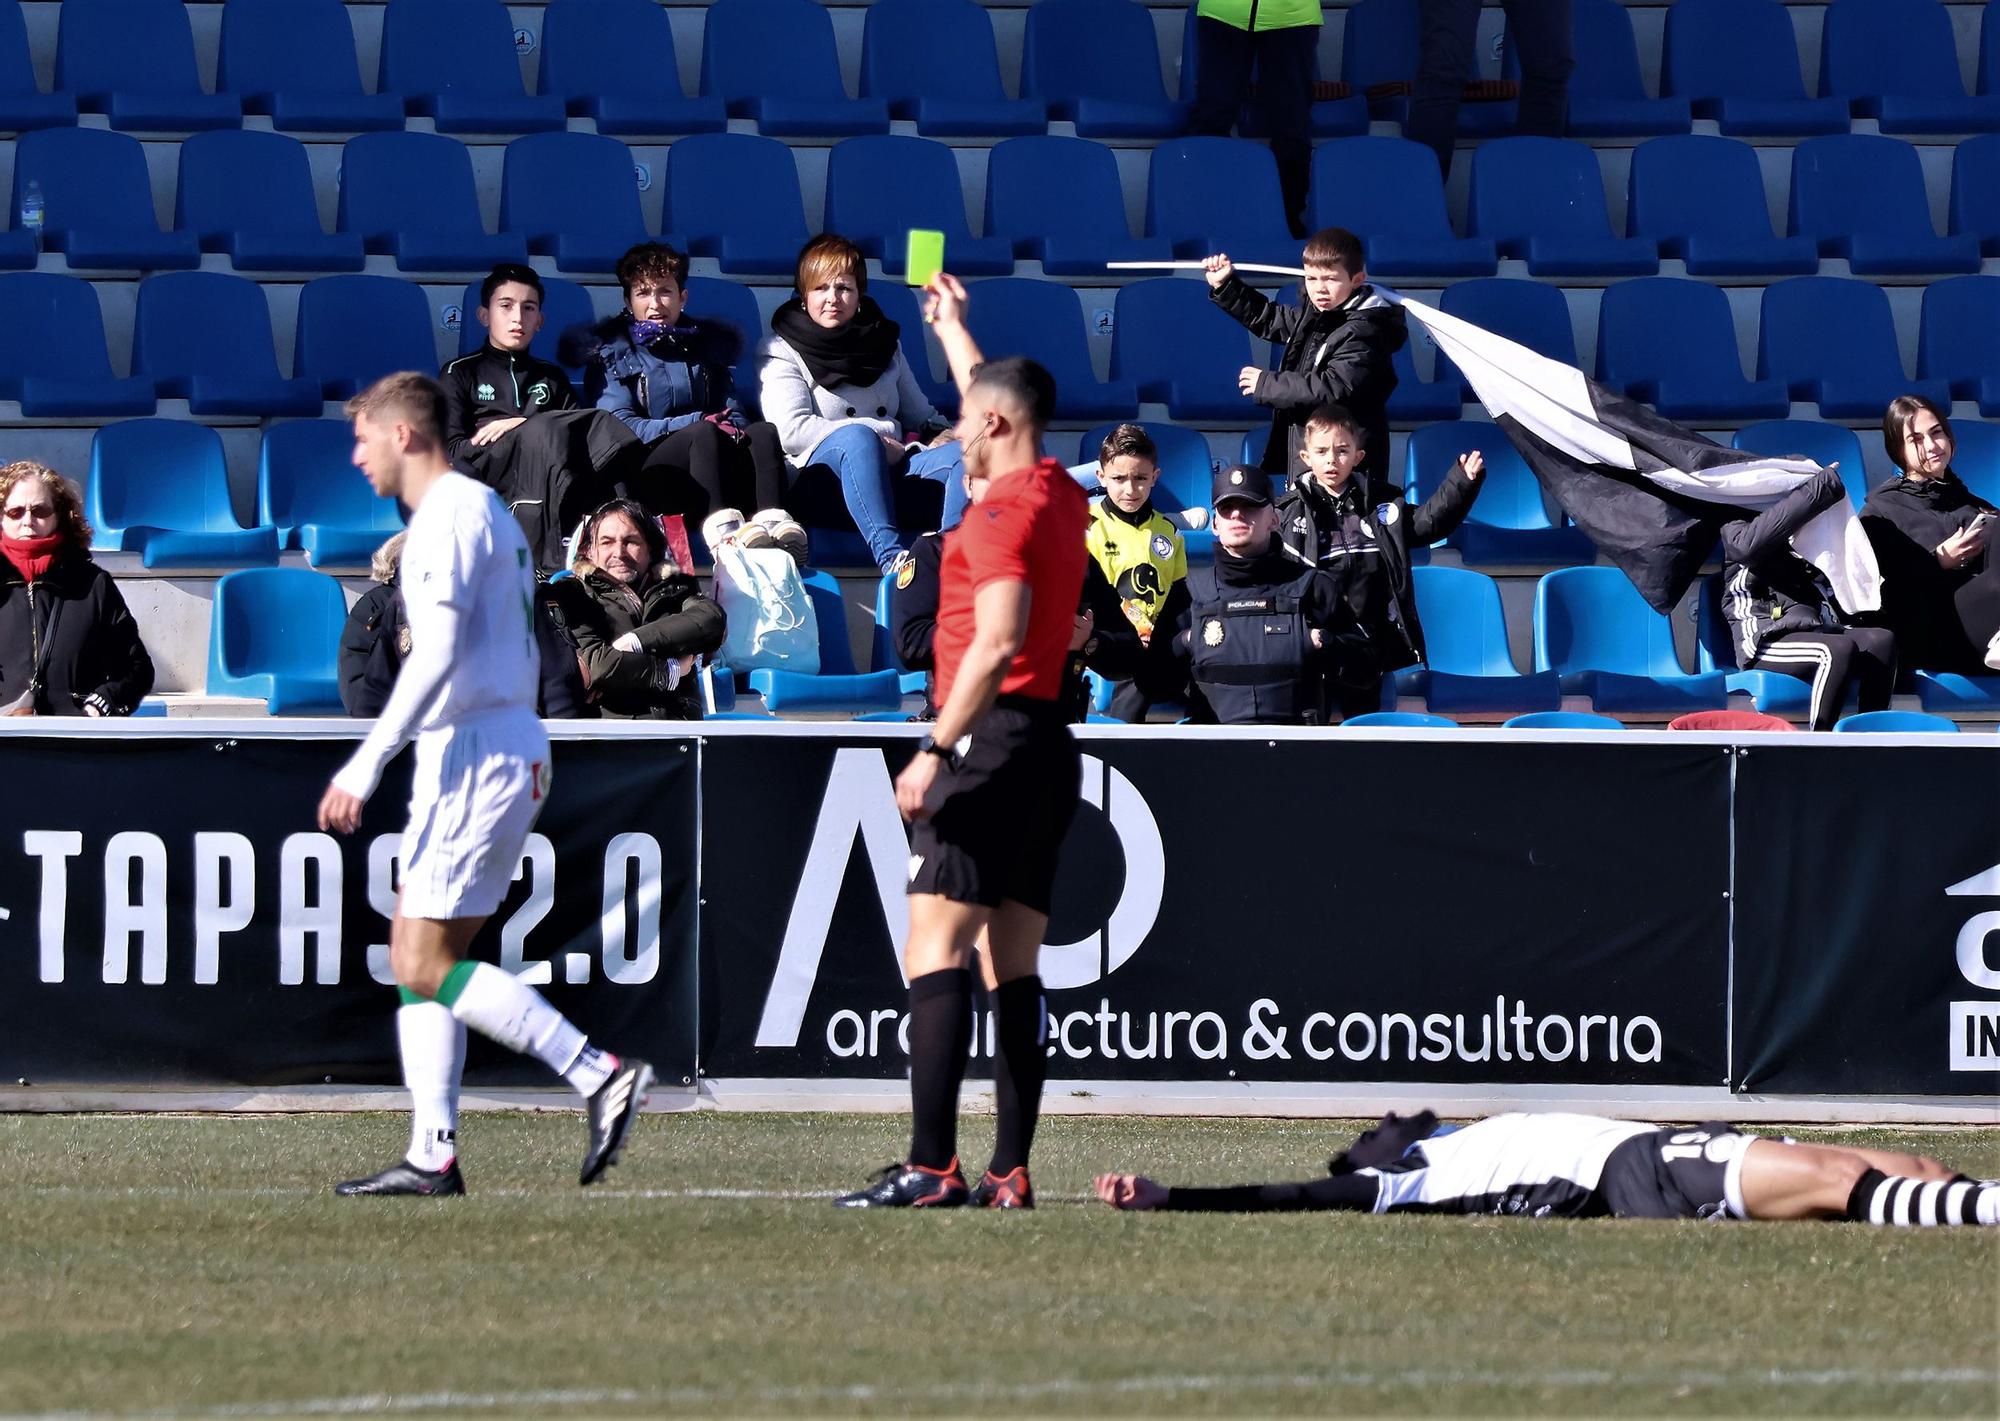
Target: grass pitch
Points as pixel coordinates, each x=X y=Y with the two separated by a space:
x=201 y=1267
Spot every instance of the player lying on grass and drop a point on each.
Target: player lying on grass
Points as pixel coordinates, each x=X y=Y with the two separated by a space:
x=1581 y=1166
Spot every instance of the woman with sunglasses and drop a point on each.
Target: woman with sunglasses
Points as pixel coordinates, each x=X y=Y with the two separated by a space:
x=68 y=644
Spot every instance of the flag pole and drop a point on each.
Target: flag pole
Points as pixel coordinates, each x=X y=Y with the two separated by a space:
x=1197 y=266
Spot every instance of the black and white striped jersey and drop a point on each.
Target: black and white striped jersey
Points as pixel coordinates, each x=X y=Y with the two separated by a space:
x=1536 y=1164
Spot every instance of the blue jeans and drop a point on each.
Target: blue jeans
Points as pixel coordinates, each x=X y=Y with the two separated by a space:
x=861 y=462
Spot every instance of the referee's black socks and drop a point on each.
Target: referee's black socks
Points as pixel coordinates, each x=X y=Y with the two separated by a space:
x=1020 y=1065
x=940 y=1037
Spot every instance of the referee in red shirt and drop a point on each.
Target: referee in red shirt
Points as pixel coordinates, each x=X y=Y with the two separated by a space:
x=993 y=789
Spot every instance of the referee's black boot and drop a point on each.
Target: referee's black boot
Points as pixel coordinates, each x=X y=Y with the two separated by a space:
x=1012 y=1190
x=910 y=1186
x=612 y=1110
x=406 y=1178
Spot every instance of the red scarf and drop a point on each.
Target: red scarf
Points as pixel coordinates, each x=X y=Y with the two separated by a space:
x=31 y=556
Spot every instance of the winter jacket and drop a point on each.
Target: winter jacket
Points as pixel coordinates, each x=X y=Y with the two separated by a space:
x=71 y=637
x=1339 y=357
x=1769 y=590
x=494 y=384
x=1395 y=526
x=671 y=619
x=665 y=385
x=376 y=640
x=1905 y=520
x=806 y=413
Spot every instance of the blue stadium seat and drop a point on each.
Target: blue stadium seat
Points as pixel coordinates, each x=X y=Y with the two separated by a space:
x=1976 y=461
x=879 y=187
x=1861 y=196
x=722 y=300
x=159 y=488
x=1607 y=94
x=1510 y=521
x=1562 y=720
x=1097 y=64
x=1738 y=62
x=1530 y=313
x=735 y=197
x=1975 y=188
x=296 y=62
x=97 y=200
x=838 y=686
x=564 y=304
x=899 y=304
x=1701 y=198
x=1407 y=720
x=1895 y=722
x=54 y=360
x=133 y=61
x=1987 y=80
x=412 y=196
x=1593 y=628
x=1896 y=62
x=1958 y=338
x=1772 y=692
x=1180 y=348
x=1948 y=693
x=1042 y=320
x=1833 y=341
x=1059 y=201
x=1824 y=444
x=205 y=337
x=1467 y=663
x=353 y=330
x=574 y=196
x=275 y=635
x=1378 y=58
x=614 y=61
x=1187 y=474
x=22 y=103
x=250 y=194
x=882 y=643
x=1416 y=400
x=1387 y=190
x=1672 y=343
x=1331 y=118
x=1542 y=199
x=1208 y=195
x=900 y=45
x=310 y=492
x=774 y=61
x=453 y=61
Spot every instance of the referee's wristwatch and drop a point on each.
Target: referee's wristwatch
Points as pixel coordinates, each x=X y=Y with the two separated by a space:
x=952 y=759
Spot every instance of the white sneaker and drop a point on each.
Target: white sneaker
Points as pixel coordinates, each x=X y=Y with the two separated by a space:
x=787 y=532
x=721 y=526
x=1993 y=652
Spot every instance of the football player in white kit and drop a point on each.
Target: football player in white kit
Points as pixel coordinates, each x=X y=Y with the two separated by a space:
x=466 y=692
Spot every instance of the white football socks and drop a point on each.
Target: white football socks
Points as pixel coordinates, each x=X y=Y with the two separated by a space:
x=499 y=1005
x=433 y=1049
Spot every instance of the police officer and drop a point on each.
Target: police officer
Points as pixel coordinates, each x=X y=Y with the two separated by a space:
x=1262 y=633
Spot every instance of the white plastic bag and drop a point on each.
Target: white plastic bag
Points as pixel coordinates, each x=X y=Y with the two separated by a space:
x=771 y=619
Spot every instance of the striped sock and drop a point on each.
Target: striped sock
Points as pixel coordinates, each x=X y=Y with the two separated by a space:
x=1899 y=1201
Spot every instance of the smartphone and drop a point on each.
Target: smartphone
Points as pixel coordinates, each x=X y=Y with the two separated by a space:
x=1980 y=524
x=923 y=256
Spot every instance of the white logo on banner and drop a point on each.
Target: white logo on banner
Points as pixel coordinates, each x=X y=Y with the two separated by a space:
x=861 y=798
x=1975 y=1026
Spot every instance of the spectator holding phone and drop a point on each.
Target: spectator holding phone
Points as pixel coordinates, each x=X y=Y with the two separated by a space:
x=1933 y=536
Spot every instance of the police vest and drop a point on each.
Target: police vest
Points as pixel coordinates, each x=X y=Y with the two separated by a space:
x=1248 y=650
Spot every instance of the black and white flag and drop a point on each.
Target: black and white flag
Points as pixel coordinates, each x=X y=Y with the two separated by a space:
x=1649 y=493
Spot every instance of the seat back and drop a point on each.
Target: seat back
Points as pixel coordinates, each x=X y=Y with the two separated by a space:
x=1384 y=187
x=1976 y=460
x=1529 y=187
x=1042 y=320
x=1187 y=469
x=1048 y=186
x=733 y=183
x=125 y=46
x=1827 y=326
x=300 y=46
x=17 y=63
x=1730 y=49
x=202 y=323
x=1593 y=619
x=1975 y=184
x=1852 y=184
x=1530 y=313
x=1215 y=191
x=90 y=178
x=882 y=641
x=1101 y=49
x=1381 y=43
x=159 y=473
x=720 y=299
x=306 y=474
x=606 y=47
x=1562 y=720
x=1409 y=720
x=564 y=304
x=836 y=652
x=399 y=182
x=900 y=43
x=353 y=330
x=1695 y=185
x=1896 y=721
x=283 y=621
x=433 y=47
x=1601 y=30
x=1465 y=629
x=242 y=180
x=1509 y=496
x=752 y=49
x=880 y=186
x=899 y=304
x=1656 y=327
x=1870 y=48
x=1958 y=336
x=575 y=184
x=1168 y=331
x=55 y=328
x=1824 y=444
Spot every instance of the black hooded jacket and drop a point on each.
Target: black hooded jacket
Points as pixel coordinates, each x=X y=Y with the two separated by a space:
x=494 y=384
x=1924 y=603
x=71 y=637
x=670 y=618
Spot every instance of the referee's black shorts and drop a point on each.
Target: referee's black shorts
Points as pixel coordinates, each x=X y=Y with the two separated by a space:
x=998 y=830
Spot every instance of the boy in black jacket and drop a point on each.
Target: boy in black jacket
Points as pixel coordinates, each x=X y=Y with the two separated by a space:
x=1338 y=342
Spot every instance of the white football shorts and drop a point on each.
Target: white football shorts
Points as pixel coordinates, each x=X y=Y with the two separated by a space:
x=475 y=790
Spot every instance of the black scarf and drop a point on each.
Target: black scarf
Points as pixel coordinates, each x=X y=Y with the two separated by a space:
x=858 y=353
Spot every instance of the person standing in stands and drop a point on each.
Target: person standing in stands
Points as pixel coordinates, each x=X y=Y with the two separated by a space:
x=1444 y=62
x=1277 y=39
